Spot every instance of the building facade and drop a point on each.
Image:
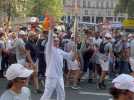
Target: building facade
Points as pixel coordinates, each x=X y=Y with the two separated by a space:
x=93 y=11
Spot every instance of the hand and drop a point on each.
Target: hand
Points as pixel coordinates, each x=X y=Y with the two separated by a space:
x=52 y=22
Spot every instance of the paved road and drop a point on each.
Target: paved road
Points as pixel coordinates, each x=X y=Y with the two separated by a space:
x=87 y=92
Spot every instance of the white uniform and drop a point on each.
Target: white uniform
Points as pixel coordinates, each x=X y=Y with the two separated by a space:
x=54 y=71
x=20 y=56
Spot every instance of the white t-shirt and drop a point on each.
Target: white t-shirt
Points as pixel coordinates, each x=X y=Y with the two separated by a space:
x=10 y=95
x=98 y=42
x=19 y=43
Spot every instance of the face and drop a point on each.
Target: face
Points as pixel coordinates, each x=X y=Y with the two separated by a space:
x=130 y=96
x=14 y=35
x=78 y=39
x=21 y=82
x=56 y=43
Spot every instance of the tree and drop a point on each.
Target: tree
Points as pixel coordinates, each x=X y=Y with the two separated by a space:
x=7 y=8
x=54 y=7
x=24 y=8
x=125 y=6
x=14 y=8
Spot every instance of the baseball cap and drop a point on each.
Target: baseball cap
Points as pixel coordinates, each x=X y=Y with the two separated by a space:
x=124 y=82
x=17 y=70
x=33 y=19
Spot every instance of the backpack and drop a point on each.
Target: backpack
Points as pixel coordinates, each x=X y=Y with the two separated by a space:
x=117 y=46
x=102 y=46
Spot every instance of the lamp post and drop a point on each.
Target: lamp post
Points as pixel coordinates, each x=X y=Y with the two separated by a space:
x=75 y=23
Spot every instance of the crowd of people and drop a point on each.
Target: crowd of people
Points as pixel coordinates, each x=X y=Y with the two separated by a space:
x=58 y=56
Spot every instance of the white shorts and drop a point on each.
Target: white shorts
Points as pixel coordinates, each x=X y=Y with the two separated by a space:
x=74 y=65
x=104 y=65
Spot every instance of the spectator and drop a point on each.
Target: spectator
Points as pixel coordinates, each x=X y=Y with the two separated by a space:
x=105 y=59
x=41 y=45
x=17 y=75
x=123 y=87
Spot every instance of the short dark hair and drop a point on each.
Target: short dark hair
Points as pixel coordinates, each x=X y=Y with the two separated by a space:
x=117 y=92
x=11 y=82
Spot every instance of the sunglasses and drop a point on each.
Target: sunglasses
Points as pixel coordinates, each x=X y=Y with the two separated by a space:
x=21 y=78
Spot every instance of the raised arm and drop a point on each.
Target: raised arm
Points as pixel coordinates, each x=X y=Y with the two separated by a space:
x=49 y=45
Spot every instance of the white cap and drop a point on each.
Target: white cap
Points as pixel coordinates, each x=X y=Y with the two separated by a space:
x=124 y=82
x=33 y=19
x=22 y=33
x=108 y=35
x=17 y=70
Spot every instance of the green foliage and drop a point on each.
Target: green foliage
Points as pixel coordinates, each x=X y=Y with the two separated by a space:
x=10 y=7
x=125 y=6
x=54 y=7
x=32 y=7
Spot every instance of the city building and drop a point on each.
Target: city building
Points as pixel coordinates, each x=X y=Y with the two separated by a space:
x=93 y=11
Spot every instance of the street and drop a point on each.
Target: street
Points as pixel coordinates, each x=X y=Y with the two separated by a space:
x=87 y=92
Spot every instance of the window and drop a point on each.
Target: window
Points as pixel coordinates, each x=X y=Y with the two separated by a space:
x=107 y=5
x=86 y=12
x=102 y=5
x=78 y=3
x=86 y=19
x=97 y=4
x=109 y=13
x=89 y=4
x=94 y=5
x=84 y=4
x=112 y=5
